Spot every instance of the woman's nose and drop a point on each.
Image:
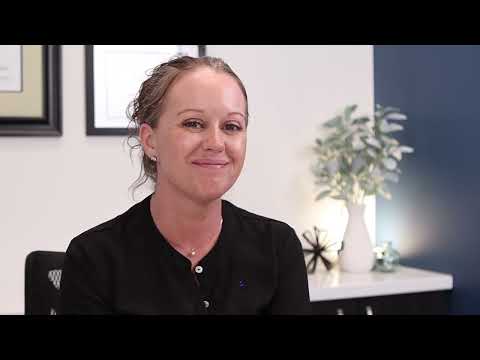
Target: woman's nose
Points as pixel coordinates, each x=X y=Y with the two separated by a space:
x=214 y=140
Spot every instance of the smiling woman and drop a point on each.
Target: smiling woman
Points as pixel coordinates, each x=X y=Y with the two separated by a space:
x=203 y=125
x=184 y=250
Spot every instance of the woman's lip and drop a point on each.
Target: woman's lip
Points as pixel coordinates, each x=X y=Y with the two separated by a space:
x=210 y=164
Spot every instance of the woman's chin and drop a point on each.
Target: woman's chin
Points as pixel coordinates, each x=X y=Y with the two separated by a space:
x=209 y=194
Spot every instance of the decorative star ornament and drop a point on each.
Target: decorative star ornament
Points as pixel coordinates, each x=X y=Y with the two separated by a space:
x=320 y=249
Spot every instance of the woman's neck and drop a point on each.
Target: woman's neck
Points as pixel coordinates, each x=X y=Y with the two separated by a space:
x=183 y=221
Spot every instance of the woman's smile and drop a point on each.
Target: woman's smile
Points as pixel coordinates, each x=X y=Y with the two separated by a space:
x=210 y=163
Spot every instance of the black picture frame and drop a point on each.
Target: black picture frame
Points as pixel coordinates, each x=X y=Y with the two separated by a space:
x=50 y=122
x=92 y=128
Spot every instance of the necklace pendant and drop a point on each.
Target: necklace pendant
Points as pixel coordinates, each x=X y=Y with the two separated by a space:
x=192 y=252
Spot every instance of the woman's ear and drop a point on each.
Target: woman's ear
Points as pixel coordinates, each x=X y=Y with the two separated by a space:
x=147 y=138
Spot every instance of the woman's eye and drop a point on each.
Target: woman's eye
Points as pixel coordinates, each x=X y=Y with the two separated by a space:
x=232 y=127
x=193 y=124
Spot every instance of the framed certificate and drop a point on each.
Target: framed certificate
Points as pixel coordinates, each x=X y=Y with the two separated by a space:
x=114 y=74
x=30 y=90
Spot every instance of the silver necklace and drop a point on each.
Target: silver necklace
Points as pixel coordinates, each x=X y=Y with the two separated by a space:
x=193 y=251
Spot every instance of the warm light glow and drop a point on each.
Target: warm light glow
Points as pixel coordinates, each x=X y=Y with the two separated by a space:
x=406 y=234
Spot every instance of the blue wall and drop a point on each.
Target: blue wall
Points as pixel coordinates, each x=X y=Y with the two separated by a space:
x=434 y=215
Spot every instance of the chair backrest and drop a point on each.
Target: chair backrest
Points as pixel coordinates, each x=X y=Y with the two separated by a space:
x=43 y=273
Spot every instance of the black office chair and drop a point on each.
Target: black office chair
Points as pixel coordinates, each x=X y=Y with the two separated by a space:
x=43 y=273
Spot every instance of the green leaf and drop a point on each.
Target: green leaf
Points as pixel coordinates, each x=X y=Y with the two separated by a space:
x=406 y=149
x=396 y=153
x=332 y=166
x=345 y=135
x=389 y=163
x=349 y=110
x=332 y=123
x=372 y=142
x=358 y=164
x=393 y=127
x=323 y=195
x=357 y=144
x=383 y=125
x=361 y=120
x=318 y=171
x=396 y=116
x=372 y=153
x=390 y=109
x=388 y=140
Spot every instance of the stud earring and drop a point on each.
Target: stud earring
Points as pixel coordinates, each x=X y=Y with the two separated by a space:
x=153 y=158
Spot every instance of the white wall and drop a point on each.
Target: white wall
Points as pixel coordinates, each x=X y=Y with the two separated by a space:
x=54 y=188
x=292 y=90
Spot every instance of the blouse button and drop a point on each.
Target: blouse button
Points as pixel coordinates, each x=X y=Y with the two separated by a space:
x=198 y=269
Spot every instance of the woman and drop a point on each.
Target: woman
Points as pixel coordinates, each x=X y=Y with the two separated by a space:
x=184 y=250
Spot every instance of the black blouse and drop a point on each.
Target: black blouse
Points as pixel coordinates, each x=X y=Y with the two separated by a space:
x=125 y=266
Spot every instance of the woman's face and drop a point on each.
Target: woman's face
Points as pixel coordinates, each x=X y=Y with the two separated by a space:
x=200 y=140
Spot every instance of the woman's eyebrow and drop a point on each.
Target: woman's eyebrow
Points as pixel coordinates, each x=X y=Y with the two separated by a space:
x=236 y=113
x=186 y=110
x=201 y=111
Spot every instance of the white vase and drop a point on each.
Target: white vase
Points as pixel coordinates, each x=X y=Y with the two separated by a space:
x=357 y=254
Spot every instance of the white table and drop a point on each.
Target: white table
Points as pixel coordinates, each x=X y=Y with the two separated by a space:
x=335 y=284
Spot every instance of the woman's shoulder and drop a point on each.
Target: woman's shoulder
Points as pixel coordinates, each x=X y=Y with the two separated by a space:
x=262 y=232
x=106 y=234
x=258 y=221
